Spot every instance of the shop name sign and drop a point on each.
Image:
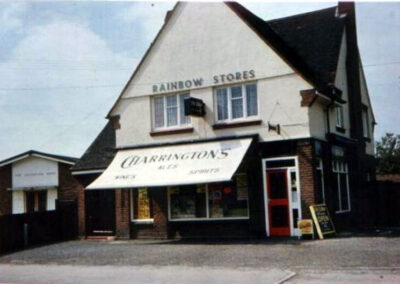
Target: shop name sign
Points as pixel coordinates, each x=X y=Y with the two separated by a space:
x=198 y=82
x=196 y=163
x=195 y=155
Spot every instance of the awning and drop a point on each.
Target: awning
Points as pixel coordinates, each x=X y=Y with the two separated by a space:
x=174 y=165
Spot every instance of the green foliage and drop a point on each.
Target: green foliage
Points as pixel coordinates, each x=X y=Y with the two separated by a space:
x=388 y=154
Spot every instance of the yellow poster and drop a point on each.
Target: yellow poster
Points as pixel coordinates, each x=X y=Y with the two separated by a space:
x=143 y=204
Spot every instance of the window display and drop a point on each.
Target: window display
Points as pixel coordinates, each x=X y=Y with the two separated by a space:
x=141 y=204
x=210 y=201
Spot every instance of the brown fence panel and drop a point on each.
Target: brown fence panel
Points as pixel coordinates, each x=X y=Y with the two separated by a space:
x=68 y=219
x=388 y=204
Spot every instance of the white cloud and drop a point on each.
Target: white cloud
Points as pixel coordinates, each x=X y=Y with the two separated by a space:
x=42 y=100
x=11 y=17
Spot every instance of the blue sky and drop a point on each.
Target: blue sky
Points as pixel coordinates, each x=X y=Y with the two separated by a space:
x=63 y=64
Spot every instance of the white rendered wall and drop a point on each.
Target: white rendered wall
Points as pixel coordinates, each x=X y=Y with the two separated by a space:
x=18 y=202
x=200 y=41
x=34 y=172
x=51 y=199
x=370 y=146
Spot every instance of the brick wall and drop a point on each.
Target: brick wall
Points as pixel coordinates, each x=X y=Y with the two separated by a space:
x=122 y=218
x=306 y=171
x=5 y=195
x=71 y=189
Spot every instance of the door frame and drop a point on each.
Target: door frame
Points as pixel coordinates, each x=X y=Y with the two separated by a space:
x=265 y=190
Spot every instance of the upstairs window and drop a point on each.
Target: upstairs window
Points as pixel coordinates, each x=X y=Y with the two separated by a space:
x=365 y=120
x=169 y=111
x=339 y=116
x=236 y=102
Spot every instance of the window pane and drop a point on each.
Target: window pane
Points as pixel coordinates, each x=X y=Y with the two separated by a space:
x=187 y=202
x=277 y=185
x=222 y=104
x=343 y=192
x=251 y=96
x=142 y=204
x=228 y=199
x=172 y=111
x=158 y=112
x=237 y=102
x=184 y=119
x=339 y=116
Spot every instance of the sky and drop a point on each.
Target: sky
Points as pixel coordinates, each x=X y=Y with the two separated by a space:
x=63 y=65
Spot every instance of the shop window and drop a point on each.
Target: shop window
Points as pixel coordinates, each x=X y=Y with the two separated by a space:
x=341 y=183
x=35 y=201
x=141 y=205
x=236 y=102
x=365 y=121
x=339 y=116
x=210 y=201
x=169 y=111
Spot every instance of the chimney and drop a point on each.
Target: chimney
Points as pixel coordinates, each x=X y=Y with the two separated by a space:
x=167 y=16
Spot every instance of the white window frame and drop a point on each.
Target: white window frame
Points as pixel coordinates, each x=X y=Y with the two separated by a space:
x=133 y=220
x=339 y=116
x=338 y=168
x=207 y=218
x=244 y=98
x=179 y=123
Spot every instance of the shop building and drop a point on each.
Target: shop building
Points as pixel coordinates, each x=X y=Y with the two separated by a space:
x=33 y=181
x=280 y=119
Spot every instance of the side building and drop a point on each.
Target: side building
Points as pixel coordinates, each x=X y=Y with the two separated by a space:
x=232 y=126
x=33 y=181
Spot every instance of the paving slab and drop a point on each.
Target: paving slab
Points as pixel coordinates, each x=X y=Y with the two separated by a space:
x=65 y=274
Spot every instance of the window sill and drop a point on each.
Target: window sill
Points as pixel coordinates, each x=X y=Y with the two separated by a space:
x=143 y=221
x=236 y=124
x=172 y=131
x=342 y=212
x=340 y=129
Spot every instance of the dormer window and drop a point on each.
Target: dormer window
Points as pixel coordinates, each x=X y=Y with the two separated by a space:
x=169 y=112
x=339 y=117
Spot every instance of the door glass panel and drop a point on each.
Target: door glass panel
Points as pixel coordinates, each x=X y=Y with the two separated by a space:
x=277 y=183
x=279 y=216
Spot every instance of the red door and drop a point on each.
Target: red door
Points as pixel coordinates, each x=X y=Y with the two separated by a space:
x=278 y=203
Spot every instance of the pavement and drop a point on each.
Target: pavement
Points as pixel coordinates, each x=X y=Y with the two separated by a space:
x=339 y=260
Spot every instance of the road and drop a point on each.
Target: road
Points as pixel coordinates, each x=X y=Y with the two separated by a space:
x=341 y=260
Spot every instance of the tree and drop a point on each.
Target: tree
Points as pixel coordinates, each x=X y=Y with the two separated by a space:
x=388 y=154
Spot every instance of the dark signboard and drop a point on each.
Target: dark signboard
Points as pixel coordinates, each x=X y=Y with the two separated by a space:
x=322 y=221
x=194 y=107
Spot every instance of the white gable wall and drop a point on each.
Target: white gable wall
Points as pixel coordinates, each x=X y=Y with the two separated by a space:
x=370 y=145
x=34 y=172
x=200 y=41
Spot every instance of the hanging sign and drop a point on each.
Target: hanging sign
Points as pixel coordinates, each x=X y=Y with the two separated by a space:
x=322 y=221
x=194 y=107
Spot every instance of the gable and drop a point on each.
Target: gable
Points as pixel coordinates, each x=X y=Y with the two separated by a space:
x=34 y=172
x=201 y=41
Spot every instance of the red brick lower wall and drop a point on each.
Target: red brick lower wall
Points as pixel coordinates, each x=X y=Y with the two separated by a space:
x=5 y=194
x=306 y=171
x=122 y=218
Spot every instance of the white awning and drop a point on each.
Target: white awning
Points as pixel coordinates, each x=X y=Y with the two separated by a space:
x=173 y=165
